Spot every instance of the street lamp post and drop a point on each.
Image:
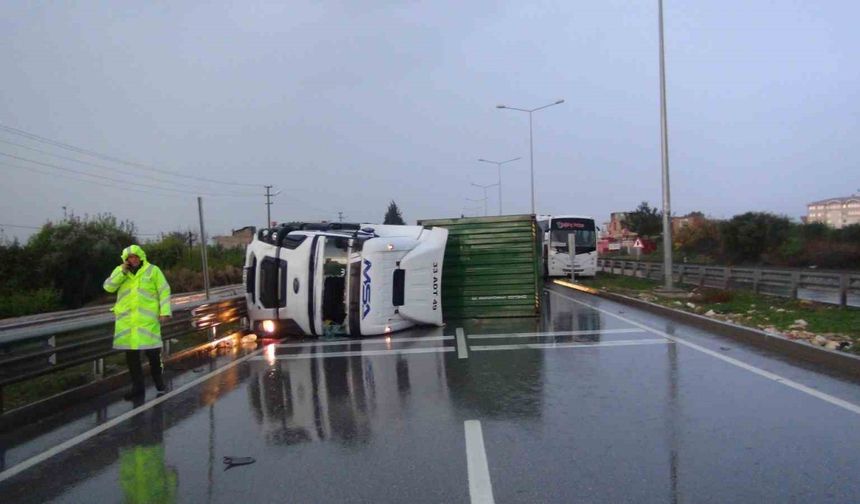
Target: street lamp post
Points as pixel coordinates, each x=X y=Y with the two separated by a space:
x=664 y=152
x=499 y=166
x=485 y=187
x=531 y=140
x=477 y=209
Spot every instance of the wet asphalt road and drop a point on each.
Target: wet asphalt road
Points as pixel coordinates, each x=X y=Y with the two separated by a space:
x=597 y=409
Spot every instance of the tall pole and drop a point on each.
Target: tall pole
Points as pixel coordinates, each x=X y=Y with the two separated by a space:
x=268 y=206
x=532 y=160
x=499 y=166
x=531 y=141
x=500 y=188
x=484 y=187
x=664 y=151
x=203 y=248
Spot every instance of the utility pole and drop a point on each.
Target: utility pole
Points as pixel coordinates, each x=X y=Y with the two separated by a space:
x=268 y=206
x=190 y=243
x=203 y=248
x=340 y=216
x=269 y=196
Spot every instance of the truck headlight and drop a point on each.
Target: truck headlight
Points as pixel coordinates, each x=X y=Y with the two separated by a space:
x=269 y=326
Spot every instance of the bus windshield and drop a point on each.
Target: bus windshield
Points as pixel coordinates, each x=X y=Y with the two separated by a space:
x=583 y=229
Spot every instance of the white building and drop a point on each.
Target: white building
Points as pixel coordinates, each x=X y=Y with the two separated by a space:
x=835 y=212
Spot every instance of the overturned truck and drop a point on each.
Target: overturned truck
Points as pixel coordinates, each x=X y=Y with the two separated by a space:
x=334 y=279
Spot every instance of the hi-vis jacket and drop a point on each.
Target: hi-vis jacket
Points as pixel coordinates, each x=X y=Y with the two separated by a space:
x=141 y=298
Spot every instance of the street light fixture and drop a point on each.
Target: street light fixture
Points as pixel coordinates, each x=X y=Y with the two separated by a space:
x=485 y=187
x=499 y=165
x=531 y=140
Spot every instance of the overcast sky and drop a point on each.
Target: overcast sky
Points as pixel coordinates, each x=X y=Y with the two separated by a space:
x=343 y=106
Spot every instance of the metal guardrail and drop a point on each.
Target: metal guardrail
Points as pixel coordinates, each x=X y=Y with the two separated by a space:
x=784 y=282
x=37 y=351
x=15 y=323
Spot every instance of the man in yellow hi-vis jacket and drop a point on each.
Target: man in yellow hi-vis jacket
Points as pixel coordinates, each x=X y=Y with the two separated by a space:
x=142 y=303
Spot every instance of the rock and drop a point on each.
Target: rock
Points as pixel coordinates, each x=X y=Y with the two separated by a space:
x=691 y=306
x=750 y=311
x=833 y=345
x=819 y=340
x=710 y=313
x=799 y=324
x=699 y=309
x=677 y=303
x=780 y=310
x=771 y=330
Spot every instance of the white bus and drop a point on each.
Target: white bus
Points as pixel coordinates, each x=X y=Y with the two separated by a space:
x=556 y=257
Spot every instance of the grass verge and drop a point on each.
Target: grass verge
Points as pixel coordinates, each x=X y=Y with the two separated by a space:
x=796 y=319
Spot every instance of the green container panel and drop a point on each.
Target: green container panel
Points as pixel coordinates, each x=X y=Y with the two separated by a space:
x=492 y=267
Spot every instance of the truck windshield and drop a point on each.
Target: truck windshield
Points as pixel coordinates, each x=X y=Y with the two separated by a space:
x=335 y=260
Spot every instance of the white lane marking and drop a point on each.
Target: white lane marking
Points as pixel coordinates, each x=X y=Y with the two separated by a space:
x=462 y=349
x=540 y=346
x=552 y=333
x=761 y=372
x=80 y=438
x=359 y=353
x=357 y=341
x=480 y=486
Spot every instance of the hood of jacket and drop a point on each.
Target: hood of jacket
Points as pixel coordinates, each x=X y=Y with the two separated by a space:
x=135 y=250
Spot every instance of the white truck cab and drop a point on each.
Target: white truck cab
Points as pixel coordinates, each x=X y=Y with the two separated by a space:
x=344 y=279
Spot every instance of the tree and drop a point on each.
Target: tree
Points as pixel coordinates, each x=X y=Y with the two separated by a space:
x=701 y=237
x=748 y=237
x=392 y=215
x=644 y=221
x=76 y=255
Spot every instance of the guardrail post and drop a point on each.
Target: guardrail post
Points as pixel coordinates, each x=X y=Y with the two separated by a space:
x=99 y=369
x=843 y=289
x=756 y=280
x=795 y=284
x=52 y=343
x=680 y=274
x=727 y=278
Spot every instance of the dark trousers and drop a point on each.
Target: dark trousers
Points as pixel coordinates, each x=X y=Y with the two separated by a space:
x=135 y=369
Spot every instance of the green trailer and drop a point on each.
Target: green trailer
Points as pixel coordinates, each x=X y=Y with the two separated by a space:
x=492 y=266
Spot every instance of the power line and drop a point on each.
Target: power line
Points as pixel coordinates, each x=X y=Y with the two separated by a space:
x=19 y=226
x=72 y=170
x=89 y=163
x=33 y=136
x=103 y=184
x=40 y=227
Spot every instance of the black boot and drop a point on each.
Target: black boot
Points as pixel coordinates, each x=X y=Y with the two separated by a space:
x=156 y=368
x=135 y=371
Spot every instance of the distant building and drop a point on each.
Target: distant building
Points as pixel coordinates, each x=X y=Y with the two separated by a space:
x=692 y=219
x=835 y=212
x=239 y=238
x=616 y=229
x=615 y=236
